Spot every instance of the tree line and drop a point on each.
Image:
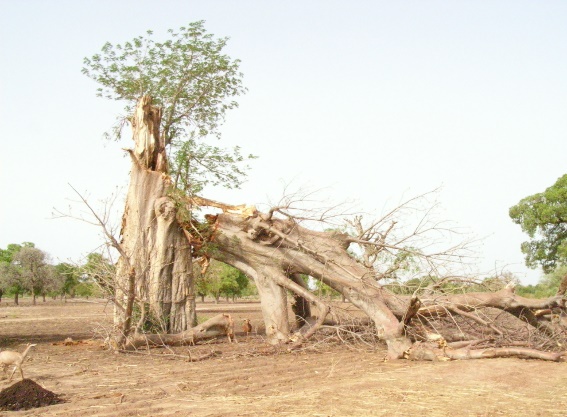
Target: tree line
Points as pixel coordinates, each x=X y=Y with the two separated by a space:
x=26 y=270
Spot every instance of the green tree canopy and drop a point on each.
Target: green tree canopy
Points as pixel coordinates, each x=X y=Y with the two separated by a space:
x=12 y=279
x=193 y=82
x=70 y=275
x=100 y=271
x=543 y=217
x=220 y=279
x=33 y=269
x=7 y=255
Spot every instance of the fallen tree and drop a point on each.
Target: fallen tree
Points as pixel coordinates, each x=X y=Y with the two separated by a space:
x=277 y=252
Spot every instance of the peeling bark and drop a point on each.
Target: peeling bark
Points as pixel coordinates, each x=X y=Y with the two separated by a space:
x=154 y=244
x=271 y=251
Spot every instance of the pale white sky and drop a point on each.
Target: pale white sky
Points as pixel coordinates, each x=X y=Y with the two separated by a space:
x=373 y=99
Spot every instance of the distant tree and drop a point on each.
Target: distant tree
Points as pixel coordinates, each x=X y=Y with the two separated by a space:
x=11 y=277
x=543 y=217
x=547 y=286
x=233 y=282
x=54 y=283
x=201 y=283
x=100 y=271
x=34 y=270
x=219 y=280
x=70 y=275
x=11 y=280
x=553 y=279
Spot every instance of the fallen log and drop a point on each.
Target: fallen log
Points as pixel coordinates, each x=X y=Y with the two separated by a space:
x=219 y=325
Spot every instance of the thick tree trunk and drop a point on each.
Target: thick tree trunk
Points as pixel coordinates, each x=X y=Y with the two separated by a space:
x=276 y=252
x=157 y=253
x=272 y=251
x=155 y=268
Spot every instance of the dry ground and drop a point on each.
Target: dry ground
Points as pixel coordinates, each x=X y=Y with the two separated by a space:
x=246 y=380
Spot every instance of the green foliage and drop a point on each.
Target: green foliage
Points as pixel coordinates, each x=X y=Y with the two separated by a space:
x=194 y=83
x=33 y=269
x=70 y=275
x=7 y=255
x=196 y=164
x=219 y=280
x=323 y=290
x=11 y=279
x=543 y=217
x=85 y=289
x=98 y=272
x=419 y=285
x=24 y=268
x=547 y=285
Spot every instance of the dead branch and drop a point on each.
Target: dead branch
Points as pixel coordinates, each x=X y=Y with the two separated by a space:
x=219 y=325
x=462 y=354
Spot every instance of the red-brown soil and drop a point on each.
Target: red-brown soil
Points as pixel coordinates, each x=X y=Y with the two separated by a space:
x=26 y=394
x=247 y=379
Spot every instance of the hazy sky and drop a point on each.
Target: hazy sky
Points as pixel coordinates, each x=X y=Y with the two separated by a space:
x=374 y=100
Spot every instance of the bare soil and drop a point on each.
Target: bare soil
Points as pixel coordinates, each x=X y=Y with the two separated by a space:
x=250 y=379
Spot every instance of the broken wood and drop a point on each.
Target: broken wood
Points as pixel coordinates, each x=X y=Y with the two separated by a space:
x=219 y=325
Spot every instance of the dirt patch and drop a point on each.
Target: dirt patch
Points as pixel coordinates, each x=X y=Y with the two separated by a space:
x=26 y=394
x=249 y=378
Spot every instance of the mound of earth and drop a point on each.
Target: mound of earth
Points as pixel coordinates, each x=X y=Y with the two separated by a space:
x=26 y=394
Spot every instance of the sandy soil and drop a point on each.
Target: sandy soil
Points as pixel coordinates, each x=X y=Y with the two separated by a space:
x=247 y=379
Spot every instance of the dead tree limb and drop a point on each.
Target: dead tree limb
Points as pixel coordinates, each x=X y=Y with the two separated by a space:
x=219 y=325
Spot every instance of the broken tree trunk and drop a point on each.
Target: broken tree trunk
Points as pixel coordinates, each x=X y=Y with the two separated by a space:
x=274 y=251
x=157 y=251
x=219 y=325
x=155 y=266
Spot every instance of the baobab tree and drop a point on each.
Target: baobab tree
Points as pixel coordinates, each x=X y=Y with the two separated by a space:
x=276 y=251
x=161 y=234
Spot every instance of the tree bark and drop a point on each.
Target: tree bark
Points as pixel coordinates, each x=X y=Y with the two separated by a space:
x=270 y=251
x=219 y=325
x=156 y=252
x=155 y=267
x=274 y=252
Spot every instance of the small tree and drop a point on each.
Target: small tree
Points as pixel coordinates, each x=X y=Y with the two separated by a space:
x=12 y=279
x=233 y=282
x=98 y=271
x=70 y=275
x=33 y=269
x=543 y=216
x=54 y=283
x=219 y=280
